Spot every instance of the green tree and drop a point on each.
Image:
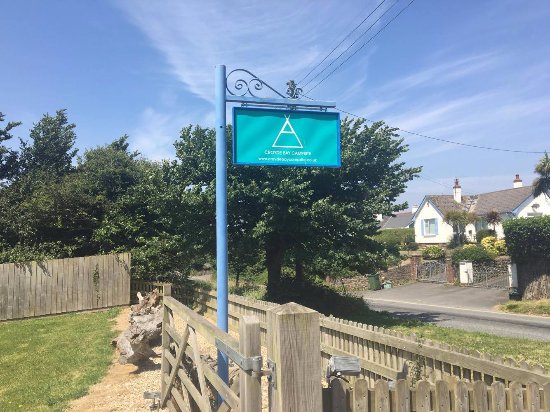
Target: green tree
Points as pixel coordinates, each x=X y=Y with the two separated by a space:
x=315 y=219
x=51 y=151
x=541 y=185
x=459 y=219
x=493 y=218
x=8 y=157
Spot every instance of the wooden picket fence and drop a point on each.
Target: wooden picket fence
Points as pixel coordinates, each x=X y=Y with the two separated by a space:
x=30 y=289
x=443 y=396
x=294 y=345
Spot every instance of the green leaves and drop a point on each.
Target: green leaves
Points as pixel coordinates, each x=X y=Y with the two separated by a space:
x=528 y=237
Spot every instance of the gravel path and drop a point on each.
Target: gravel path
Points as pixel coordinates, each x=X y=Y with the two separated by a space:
x=123 y=386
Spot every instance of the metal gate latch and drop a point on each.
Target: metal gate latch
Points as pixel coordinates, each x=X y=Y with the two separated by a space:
x=251 y=364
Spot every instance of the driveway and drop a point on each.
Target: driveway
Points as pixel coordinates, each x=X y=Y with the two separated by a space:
x=464 y=308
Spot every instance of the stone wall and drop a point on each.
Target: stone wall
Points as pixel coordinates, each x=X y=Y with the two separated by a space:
x=534 y=278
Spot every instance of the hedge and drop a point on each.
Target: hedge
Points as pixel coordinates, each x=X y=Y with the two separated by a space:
x=433 y=253
x=528 y=237
x=474 y=253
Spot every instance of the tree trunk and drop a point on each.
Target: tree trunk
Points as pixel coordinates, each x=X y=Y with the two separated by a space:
x=134 y=344
x=274 y=254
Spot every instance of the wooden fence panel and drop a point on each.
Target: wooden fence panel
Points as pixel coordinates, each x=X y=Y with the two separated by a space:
x=31 y=289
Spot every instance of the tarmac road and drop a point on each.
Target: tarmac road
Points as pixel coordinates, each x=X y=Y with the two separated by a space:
x=464 y=308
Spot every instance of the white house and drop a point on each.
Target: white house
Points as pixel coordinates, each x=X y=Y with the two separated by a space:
x=518 y=201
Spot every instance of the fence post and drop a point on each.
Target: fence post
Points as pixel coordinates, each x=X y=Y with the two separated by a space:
x=249 y=346
x=293 y=344
x=415 y=260
x=165 y=366
x=449 y=268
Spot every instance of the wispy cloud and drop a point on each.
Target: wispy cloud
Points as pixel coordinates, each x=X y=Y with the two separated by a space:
x=277 y=41
x=157 y=131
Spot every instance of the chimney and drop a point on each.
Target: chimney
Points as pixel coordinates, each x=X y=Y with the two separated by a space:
x=414 y=208
x=518 y=182
x=457 y=192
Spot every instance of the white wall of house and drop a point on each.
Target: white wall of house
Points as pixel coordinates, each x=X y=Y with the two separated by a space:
x=443 y=231
x=538 y=206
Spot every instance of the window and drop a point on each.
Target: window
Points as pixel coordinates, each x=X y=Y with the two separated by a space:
x=429 y=227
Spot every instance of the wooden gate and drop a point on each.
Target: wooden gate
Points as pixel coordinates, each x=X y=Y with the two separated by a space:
x=432 y=271
x=188 y=382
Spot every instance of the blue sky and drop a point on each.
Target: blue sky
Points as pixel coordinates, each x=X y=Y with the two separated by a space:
x=470 y=71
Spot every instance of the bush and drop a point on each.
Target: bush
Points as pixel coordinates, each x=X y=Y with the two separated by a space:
x=494 y=246
x=528 y=237
x=500 y=246
x=474 y=253
x=433 y=253
x=411 y=246
x=395 y=239
x=483 y=233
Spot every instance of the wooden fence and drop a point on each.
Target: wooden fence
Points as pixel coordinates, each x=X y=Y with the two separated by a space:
x=383 y=353
x=50 y=287
x=443 y=396
x=292 y=330
x=182 y=390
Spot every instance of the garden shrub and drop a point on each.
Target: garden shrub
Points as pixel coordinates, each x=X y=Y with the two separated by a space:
x=500 y=246
x=396 y=239
x=483 y=233
x=433 y=253
x=528 y=237
x=474 y=253
x=494 y=246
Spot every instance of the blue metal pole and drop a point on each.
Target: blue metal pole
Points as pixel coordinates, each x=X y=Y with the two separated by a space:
x=221 y=214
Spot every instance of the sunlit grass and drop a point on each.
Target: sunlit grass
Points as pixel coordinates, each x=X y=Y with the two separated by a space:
x=46 y=362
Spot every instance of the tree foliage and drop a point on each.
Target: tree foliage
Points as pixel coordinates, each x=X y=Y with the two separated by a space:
x=318 y=220
x=541 y=185
x=459 y=219
x=8 y=157
x=51 y=150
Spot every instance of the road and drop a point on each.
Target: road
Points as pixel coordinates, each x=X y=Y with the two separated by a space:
x=469 y=309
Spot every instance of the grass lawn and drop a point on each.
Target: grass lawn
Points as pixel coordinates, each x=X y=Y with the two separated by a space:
x=47 y=362
x=527 y=307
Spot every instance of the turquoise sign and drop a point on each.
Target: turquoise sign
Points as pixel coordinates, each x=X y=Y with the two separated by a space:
x=269 y=137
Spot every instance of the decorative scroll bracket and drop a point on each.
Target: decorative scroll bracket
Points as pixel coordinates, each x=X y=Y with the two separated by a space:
x=243 y=86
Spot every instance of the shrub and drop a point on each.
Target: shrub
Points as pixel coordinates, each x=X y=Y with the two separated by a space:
x=489 y=244
x=500 y=246
x=433 y=253
x=483 y=233
x=475 y=253
x=494 y=246
x=395 y=239
x=411 y=246
x=528 y=237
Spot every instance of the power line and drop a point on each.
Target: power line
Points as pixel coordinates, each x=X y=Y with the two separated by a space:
x=342 y=41
x=363 y=45
x=351 y=45
x=498 y=149
x=434 y=181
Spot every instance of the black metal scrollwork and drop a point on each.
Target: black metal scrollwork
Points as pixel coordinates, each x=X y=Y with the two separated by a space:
x=293 y=91
x=241 y=82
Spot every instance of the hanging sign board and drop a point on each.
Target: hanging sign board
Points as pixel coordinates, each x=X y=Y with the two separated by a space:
x=269 y=137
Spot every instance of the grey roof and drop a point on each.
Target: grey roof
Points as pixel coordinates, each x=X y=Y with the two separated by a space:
x=446 y=203
x=502 y=201
x=398 y=221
